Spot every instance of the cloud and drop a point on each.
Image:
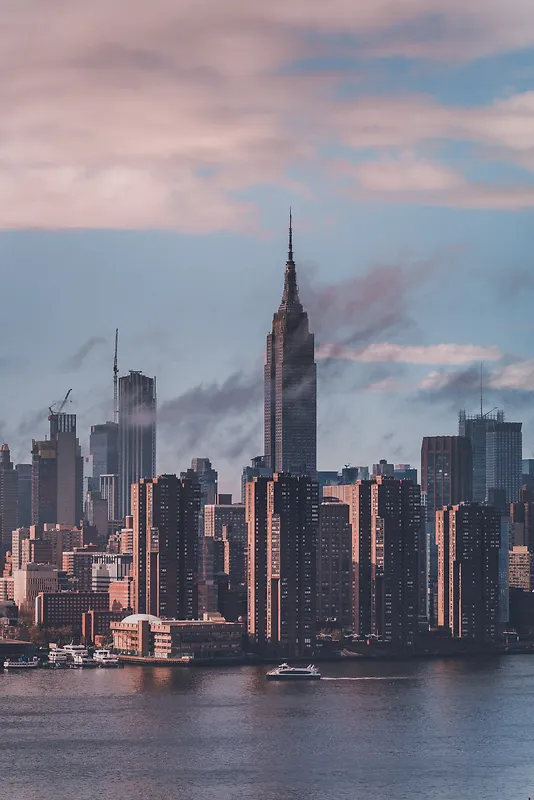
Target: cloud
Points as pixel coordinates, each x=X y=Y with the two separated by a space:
x=76 y=360
x=430 y=354
x=206 y=414
x=411 y=180
x=159 y=115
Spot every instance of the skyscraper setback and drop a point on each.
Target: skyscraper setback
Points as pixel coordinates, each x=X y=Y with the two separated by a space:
x=137 y=433
x=291 y=384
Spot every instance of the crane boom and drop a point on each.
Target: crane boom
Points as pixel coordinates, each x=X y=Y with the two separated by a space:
x=64 y=403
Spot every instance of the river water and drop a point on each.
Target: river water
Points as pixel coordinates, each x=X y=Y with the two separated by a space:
x=429 y=729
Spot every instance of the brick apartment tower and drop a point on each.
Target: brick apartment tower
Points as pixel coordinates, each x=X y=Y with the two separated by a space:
x=395 y=540
x=165 y=514
x=468 y=591
x=282 y=516
x=334 y=564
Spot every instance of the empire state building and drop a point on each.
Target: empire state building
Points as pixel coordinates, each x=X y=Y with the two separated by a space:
x=291 y=384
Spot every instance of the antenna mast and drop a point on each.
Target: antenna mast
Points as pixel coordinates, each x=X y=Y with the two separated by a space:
x=481 y=384
x=116 y=379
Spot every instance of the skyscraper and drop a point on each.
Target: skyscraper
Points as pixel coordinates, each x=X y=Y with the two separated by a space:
x=475 y=428
x=24 y=471
x=165 y=553
x=446 y=478
x=471 y=544
x=504 y=446
x=57 y=474
x=137 y=433
x=334 y=564
x=291 y=384
x=395 y=541
x=282 y=515
x=9 y=498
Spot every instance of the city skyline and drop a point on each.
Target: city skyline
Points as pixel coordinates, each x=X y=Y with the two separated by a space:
x=206 y=396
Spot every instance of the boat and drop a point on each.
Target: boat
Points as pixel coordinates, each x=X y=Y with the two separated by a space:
x=72 y=650
x=106 y=659
x=22 y=663
x=84 y=660
x=286 y=673
x=58 y=658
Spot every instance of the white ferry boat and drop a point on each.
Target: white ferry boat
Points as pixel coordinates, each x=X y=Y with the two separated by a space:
x=22 y=663
x=58 y=657
x=105 y=659
x=286 y=673
x=84 y=660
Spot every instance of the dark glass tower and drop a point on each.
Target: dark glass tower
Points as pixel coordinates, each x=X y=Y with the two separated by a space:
x=137 y=433
x=291 y=384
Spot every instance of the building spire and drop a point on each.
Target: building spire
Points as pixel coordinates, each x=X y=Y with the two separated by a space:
x=290 y=249
x=290 y=298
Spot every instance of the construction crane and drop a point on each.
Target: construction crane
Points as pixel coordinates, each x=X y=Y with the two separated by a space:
x=116 y=379
x=61 y=407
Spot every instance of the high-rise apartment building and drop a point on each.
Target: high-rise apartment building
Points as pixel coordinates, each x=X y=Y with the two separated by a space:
x=282 y=515
x=470 y=543
x=24 y=471
x=291 y=384
x=357 y=497
x=137 y=434
x=220 y=516
x=504 y=455
x=165 y=514
x=383 y=468
x=9 y=498
x=256 y=517
x=446 y=478
x=334 y=564
x=405 y=472
x=395 y=542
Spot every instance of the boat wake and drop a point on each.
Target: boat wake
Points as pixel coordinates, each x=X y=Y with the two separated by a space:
x=373 y=678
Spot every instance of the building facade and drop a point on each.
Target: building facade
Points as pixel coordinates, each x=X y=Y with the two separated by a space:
x=504 y=455
x=230 y=517
x=291 y=385
x=137 y=434
x=395 y=542
x=9 y=498
x=58 y=609
x=474 y=545
x=24 y=471
x=165 y=514
x=334 y=565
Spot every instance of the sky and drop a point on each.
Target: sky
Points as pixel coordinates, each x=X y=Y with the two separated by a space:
x=149 y=153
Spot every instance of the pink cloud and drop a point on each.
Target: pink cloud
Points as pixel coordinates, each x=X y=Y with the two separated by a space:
x=446 y=354
x=129 y=114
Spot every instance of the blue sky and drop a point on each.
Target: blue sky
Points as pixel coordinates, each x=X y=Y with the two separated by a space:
x=148 y=157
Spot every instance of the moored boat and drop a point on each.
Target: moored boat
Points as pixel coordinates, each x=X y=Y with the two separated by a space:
x=105 y=659
x=286 y=673
x=22 y=663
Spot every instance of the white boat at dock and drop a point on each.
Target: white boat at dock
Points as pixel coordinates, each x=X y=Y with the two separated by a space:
x=22 y=663
x=105 y=658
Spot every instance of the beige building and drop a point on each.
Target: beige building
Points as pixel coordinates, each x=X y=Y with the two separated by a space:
x=32 y=580
x=520 y=567
x=211 y=637
x=7 y=589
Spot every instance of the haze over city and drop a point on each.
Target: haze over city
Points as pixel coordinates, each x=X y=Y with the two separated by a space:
x=146 y=186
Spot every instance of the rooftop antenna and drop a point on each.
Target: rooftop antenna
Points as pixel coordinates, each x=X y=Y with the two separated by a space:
x=481 y=384
x=115 y=380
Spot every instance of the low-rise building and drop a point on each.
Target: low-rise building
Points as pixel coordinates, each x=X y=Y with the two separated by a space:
x=209 y=638
x=59 y=609
x=97 y=623
x=32 y=580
